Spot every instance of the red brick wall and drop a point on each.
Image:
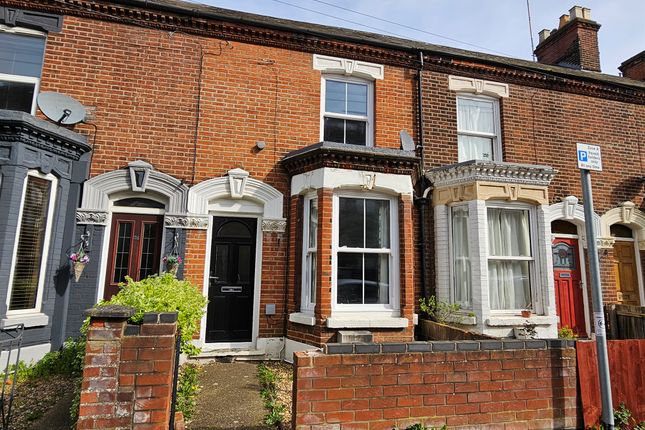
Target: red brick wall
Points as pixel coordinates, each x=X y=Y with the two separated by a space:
x=128 y=376
x=499 y=388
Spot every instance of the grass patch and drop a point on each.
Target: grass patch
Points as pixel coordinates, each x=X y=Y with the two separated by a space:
x=187 y=389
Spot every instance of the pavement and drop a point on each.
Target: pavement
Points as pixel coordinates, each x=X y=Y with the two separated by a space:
x=229 y=398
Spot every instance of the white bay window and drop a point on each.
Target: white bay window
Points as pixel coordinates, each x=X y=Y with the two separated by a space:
x=510 y=258
x=461 y=270
x=310 y=254
x=364 y=246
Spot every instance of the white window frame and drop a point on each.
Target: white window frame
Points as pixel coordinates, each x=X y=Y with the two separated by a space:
x=496 y=136
x=453 y=285
x=386 y=310
x=534 y=279
x=307 y=305
x=46 y=243
x=368 y=119
x=20 y=78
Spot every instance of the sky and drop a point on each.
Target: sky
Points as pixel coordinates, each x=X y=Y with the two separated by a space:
x=493 y=26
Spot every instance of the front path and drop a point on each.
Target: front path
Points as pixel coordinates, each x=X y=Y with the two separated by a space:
x=229 y=398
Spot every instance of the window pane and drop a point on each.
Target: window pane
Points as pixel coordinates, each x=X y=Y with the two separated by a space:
x=122 y=257
x=508 y=233
x=313 y=222
x=377 y=284
x=234 y=229
x=461 y=256
x=350 y=222
x=31 y=240
x=475 y=115
x=377 y=224
x=148 y=248
x=312 y=277
x=350 y=278
x=474 y=148
x=334 y=130
x=509 y=284
x=357 y=99
x=16 y=96
x=356 y=132
x=21 y=55
x=335 y=97
x=221 y=263
x=563 y=257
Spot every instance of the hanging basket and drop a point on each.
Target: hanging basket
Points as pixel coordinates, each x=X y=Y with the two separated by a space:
x=78 y=270
x=172 y=268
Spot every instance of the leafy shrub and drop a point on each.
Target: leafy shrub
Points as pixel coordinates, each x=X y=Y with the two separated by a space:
x=67 y=361
x=187 y=388
x=566 y=333
x=439 y=311
x=164 y=293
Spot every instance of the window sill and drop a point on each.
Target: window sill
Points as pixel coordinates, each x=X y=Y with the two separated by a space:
x=29 y=320
x=356 y=322
x=514 y=320
x=302 y=318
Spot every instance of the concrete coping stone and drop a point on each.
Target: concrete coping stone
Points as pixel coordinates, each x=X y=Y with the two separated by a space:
x=132 y=330
x=159 y=317
x=111 y=312
x=447 y=346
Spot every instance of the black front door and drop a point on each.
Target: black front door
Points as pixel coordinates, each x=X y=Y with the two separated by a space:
x=230 y=293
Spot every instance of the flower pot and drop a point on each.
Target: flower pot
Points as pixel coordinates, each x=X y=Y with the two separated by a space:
x=78 y=270
x=526 y=313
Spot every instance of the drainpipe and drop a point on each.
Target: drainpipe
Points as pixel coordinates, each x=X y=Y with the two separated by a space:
x=423 y=200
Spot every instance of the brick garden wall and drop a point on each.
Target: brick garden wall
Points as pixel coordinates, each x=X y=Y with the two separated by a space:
x=128 y=374
x=478 y=384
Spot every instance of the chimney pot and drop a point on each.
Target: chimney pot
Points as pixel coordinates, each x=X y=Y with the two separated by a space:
x=576 y=12
x=586 y=13
x=544 y=34
x=563 y=20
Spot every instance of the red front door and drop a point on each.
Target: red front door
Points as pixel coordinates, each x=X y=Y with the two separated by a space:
x=568 y=285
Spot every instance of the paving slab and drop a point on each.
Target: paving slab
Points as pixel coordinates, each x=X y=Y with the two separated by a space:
x=229 y=398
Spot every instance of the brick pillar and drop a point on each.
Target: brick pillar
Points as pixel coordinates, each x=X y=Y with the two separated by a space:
x=128 y=375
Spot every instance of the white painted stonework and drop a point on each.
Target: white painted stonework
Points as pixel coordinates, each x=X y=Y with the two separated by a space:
x=332 y=178
x=477 y=86
x=347 y=67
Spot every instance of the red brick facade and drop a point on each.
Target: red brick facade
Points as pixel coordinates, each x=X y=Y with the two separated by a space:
x=195 y=95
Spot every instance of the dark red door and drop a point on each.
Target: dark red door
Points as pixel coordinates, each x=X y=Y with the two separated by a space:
x=568 y=285
x=135 y=247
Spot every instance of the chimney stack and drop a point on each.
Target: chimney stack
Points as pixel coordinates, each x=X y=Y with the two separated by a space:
x=573 y=44
x=634 y=68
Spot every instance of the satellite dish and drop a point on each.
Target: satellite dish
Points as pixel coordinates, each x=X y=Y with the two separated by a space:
x=61 y=108
x=407 y=143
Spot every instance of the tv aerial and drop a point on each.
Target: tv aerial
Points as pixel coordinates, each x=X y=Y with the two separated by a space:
x=407 y=143
x=61 y=108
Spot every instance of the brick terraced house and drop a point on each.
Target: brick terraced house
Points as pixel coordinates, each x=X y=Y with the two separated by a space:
x=315 y=180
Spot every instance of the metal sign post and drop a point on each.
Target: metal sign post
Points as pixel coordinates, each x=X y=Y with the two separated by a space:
x=589 y=159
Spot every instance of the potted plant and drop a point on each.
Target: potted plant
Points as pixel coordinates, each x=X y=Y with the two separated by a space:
x=79 y=260
x=172 y=263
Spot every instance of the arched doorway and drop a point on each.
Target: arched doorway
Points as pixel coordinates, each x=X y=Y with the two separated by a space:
x=567 y=274
x=625 y=265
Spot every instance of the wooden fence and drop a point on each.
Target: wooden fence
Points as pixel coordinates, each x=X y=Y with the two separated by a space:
x=626 y=364
x=625 y=322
